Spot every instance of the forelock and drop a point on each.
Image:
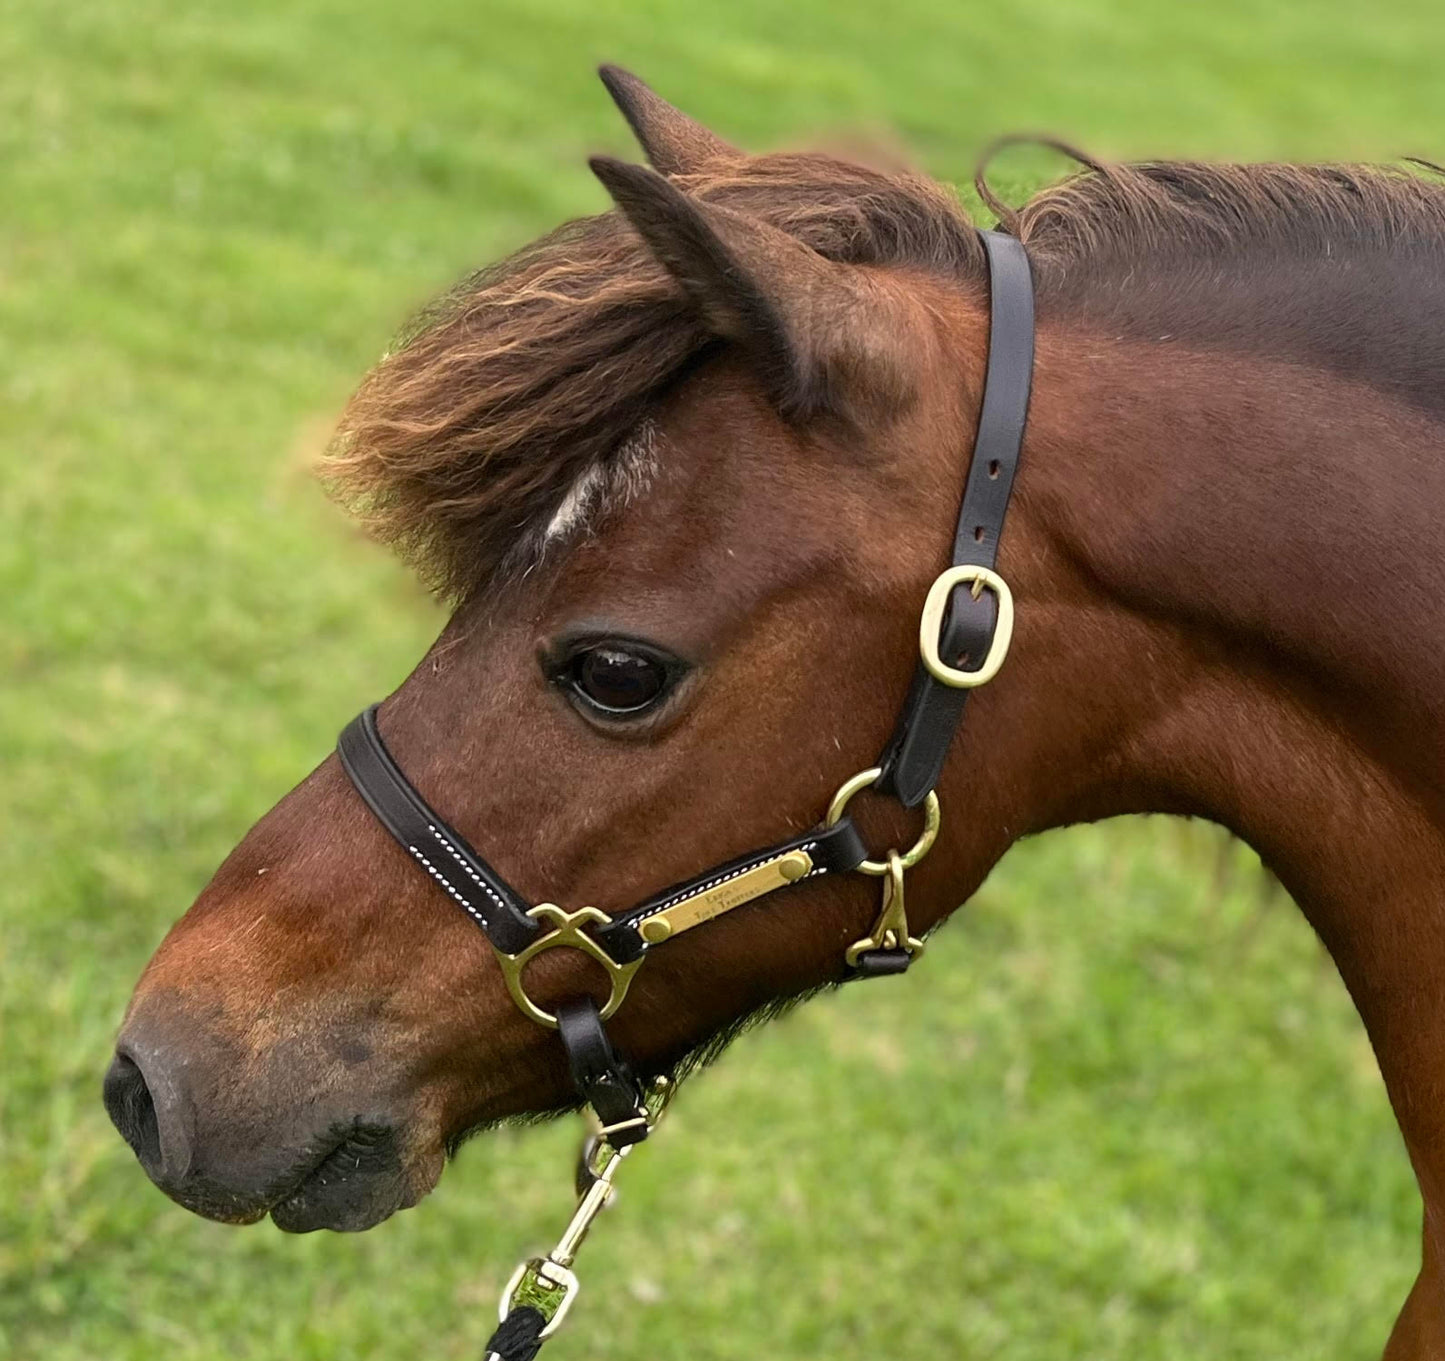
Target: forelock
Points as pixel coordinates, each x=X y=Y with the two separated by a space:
x=513 y=406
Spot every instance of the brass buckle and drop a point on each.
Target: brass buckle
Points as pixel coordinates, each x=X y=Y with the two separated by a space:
x=932 y=816
x=567 y=933
x=930 y=625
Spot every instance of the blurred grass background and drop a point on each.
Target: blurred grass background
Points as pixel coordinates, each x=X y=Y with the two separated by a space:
x=1124 y=1109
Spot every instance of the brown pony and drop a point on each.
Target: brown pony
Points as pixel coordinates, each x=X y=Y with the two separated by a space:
x=722 y=450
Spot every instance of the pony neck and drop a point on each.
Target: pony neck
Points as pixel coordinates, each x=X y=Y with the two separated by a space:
x=1241 y=561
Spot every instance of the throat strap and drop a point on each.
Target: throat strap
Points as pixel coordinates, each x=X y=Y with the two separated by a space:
x=914 y=757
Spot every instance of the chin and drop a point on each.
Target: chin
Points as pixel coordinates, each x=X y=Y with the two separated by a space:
x=342 y=1206
x=358 y=1184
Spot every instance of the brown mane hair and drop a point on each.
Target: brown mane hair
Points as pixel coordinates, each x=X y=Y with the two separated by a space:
x=469 y=434
x=1338 y=267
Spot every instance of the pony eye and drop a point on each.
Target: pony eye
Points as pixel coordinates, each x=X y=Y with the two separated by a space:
x=617 y=679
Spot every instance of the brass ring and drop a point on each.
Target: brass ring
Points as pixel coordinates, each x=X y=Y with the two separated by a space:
x=567 y=934
x=931 y=819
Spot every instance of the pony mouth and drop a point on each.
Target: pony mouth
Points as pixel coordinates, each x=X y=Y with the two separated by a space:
x=360 y=1181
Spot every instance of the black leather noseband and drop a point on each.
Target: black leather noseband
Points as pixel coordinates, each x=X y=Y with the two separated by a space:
x=493 y=903
x=965 y=633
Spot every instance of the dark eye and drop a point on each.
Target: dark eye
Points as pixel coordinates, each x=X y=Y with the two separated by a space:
x=618 y=679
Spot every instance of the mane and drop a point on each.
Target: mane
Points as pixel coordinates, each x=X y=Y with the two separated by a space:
x=1338 y=267
x=511 y=404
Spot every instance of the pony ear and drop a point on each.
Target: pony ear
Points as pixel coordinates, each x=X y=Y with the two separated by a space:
x=672 y=142
x=820 y=333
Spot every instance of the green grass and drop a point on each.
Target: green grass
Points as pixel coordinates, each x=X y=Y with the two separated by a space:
x=1123 y=1109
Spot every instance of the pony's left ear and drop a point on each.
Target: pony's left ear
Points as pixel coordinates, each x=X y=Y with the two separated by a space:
x=673 y=143
x=822 y=334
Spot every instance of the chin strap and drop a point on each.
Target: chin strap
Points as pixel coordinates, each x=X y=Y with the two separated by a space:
x=602 y=1078
x=543 y=1289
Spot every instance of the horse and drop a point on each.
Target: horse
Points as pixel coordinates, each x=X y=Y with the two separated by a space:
x=685 y=471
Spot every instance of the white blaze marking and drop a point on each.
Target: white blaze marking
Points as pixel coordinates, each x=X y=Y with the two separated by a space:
x=605 y=485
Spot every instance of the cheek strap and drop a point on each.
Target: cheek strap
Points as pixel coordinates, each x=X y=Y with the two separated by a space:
x=964 y=647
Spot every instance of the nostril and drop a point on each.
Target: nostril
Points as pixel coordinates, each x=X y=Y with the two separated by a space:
x=133 y=1112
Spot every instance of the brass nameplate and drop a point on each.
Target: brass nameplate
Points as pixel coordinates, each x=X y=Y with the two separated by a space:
x=723 y=897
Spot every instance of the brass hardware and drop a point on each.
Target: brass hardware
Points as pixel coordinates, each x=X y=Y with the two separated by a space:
x=597 y=1150
x=594 y=1201
x=930 y=625
x=657 y=1098
x=932 y=817
x=734 y=892
x=890 y=931
x=544 y=1286
x=567 y=933
x=548 y=1284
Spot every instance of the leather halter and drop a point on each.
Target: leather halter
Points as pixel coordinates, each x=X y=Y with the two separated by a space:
x=960 y=627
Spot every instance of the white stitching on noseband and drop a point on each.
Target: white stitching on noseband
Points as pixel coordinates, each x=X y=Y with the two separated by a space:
x=466 y=868
x=446 y=884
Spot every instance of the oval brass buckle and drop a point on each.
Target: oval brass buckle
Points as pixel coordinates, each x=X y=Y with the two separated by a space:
x=567 y=933
x=931 y=819
x=930 y=625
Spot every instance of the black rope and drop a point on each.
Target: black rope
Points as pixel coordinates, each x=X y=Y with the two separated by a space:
x=518 y=1336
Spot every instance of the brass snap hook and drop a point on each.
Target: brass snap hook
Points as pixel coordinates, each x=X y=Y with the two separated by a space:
x=548 y=1284
x=890 y=931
